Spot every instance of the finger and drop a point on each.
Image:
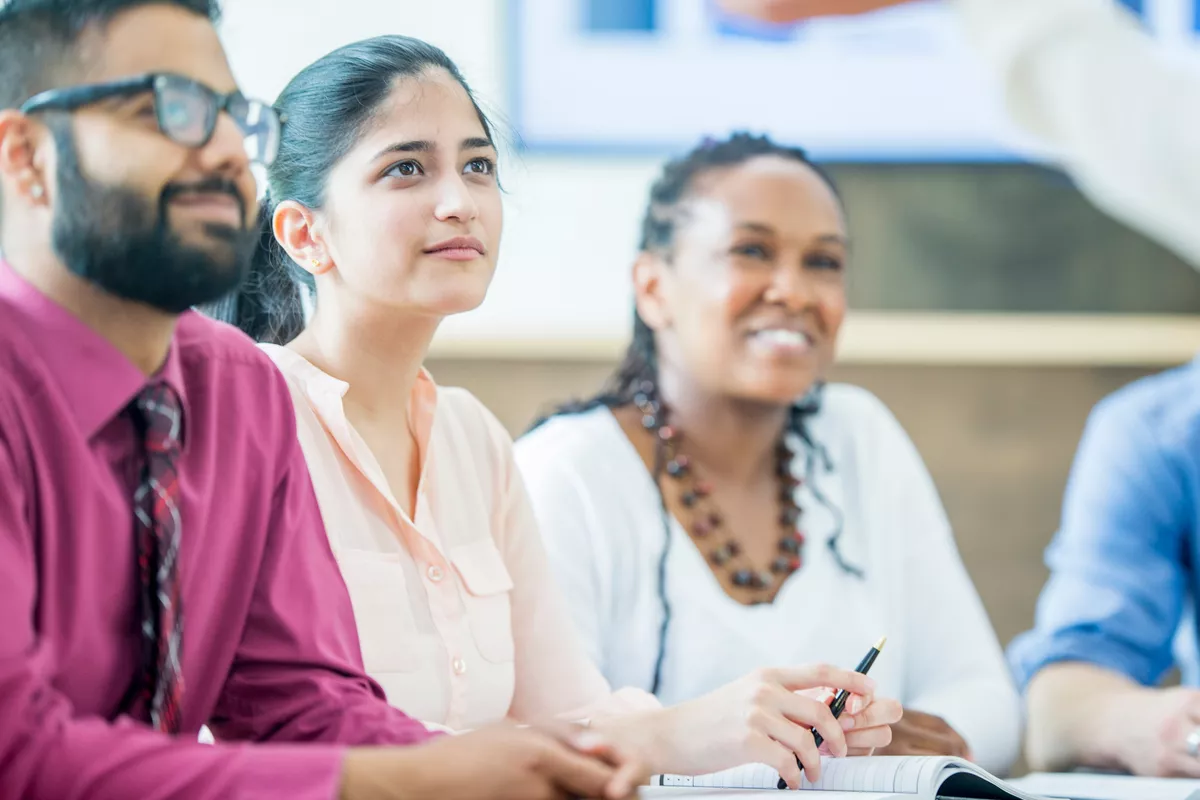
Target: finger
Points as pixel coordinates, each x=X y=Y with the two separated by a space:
x=925 y=732
x=579 y=774
x=924 y=743
x=884 y=711
x=799 y=741
x=950 y=743
x=810 y=676
x=822 y=694
x=1179 y=765
x=766 y=750
x=869 y=738
x=809 y=713
x=630 y=771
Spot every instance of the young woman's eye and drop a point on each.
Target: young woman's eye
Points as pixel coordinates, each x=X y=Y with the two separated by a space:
x=823 y=262
x=752 y=250
x=480 y=166
x=405 y=169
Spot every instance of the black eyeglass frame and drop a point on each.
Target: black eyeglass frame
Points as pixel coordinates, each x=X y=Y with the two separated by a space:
x=233 y=103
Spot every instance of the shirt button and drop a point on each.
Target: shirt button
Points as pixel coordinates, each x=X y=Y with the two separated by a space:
x=459 y=666
x=435 y=573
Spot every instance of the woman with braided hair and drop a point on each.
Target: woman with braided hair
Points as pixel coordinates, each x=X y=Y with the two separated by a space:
x=717 y=508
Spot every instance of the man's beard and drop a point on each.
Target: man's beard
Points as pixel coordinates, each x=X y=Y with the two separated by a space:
x=122 y=242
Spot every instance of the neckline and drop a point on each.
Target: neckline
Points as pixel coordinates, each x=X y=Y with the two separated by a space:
x=680 y=536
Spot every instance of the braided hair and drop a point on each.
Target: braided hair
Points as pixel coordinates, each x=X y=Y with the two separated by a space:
x=638 y=371
x=659 y=226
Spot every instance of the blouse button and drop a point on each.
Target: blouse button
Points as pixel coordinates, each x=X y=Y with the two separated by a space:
x=459 y=666
x=435 y=573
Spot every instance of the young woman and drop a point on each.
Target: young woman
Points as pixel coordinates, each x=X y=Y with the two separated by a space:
x=384 y=204
x=716 y=508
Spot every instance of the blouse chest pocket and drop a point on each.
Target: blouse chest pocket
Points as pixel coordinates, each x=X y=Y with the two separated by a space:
x=386 y=631
x=486 y=597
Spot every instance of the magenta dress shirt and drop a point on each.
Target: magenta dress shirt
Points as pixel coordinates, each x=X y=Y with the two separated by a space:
x=270 y=652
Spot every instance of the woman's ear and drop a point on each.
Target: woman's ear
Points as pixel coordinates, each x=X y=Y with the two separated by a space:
x=295 y=230
x=650 y=289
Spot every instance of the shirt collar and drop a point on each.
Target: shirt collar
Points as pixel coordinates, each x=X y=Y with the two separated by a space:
x=96 y=378
x=320 y=385
x=325 y=394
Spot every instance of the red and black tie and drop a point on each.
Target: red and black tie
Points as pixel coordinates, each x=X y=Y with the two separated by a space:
x=159 y=416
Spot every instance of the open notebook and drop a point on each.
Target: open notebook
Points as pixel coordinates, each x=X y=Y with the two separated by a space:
x=925 y=777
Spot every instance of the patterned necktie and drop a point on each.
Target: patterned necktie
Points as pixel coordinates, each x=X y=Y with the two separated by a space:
x=159 y=415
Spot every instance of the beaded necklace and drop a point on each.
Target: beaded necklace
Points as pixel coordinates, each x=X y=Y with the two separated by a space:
x=705 y=524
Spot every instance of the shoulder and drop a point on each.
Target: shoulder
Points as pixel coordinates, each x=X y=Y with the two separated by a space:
x=247 y=390
x=23 y=375
x=850 y=414
x=1164 y=408
x=19 y=356
x=206 y=343
x=474 y=425
x=584 y=463
x=570 y=438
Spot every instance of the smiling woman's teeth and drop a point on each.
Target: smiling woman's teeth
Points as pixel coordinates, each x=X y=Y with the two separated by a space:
x=782 y=338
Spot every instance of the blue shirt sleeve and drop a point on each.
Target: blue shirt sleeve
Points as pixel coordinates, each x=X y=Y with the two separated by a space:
x=1118 y=579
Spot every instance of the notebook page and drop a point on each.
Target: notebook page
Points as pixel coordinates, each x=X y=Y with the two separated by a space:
x=1086 y=786
x=659 y=793
x=894 y=774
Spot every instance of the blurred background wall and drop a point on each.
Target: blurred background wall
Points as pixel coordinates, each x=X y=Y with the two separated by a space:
x=993 y=305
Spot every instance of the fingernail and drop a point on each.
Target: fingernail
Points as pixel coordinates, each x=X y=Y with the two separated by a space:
x=871 y=684
x=846 y=722
x=588 y=741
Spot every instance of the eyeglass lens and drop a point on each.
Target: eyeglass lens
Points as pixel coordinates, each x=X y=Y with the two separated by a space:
x=187 y=113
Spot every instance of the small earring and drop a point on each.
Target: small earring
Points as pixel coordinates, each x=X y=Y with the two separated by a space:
x=316 y=263
x=37 y=191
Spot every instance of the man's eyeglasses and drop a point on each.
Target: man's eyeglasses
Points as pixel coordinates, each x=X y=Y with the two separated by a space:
x=187 y=111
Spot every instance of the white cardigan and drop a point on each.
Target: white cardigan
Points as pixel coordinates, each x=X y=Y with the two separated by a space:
x=1120 y=110
x=599 y=513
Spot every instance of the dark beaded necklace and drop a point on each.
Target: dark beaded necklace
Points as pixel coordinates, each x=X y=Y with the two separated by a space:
x=705 y=524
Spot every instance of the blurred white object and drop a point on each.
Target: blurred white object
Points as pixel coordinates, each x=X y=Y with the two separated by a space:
x=1119 y=109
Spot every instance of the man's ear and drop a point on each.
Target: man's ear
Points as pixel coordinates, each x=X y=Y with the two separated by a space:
x=24 y=159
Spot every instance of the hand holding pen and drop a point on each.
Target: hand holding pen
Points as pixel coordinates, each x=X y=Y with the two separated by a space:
x=766 y=717
x=883 y=709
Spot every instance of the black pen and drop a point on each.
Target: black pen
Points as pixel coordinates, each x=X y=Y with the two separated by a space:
x=839 y=701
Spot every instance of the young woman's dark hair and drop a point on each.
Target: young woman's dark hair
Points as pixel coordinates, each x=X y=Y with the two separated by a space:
x=637 y=374
x=327 y=108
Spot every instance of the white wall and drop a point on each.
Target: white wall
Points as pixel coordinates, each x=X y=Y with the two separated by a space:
x=571 y=225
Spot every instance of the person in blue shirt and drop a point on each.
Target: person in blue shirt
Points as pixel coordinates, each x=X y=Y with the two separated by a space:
x=1122 y=574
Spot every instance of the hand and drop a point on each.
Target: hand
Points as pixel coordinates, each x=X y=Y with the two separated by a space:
x=919 y=734
x=782 y=11
x=1155 y=725
x=496 y=763
x=761 y=718
x=866 y=721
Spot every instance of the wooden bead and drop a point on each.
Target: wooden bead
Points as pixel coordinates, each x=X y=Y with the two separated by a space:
x=677 y=467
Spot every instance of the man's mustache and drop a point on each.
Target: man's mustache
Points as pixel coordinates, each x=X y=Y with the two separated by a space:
x=213 y=185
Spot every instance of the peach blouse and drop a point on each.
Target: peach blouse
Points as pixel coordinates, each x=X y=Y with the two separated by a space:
x=458 y=614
